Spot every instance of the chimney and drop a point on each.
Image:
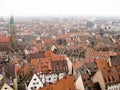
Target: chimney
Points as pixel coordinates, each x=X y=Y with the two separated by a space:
x=109 y=62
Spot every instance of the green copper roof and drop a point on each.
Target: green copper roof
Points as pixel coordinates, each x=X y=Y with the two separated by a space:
x=11 y=21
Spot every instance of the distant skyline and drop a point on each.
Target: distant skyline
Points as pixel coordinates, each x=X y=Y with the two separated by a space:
x=60 y=7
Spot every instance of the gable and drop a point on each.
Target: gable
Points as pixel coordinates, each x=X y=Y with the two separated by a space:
x=6 y=87
x=35 y=83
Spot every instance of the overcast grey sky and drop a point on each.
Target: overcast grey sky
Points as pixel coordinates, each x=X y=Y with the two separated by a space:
x=60 y=7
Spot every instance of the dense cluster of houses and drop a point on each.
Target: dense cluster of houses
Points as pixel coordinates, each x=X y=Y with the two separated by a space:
x=58 y=54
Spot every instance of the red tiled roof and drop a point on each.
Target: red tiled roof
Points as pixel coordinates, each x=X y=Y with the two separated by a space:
x=49 y=41
x=34 y=50
x=45 y=64
x=26 y=68
x=86 y=79
x=57 y=57
x=24 y=32
x=110 y=75
x=18 y=69
x=53 y=56
x=63 y=35
x=111 y=53
x=89 y=60
x=5 y=39
x=41 y=64
x=63 y=84
x=101 y=63
x=48 y=53
x=77 y=64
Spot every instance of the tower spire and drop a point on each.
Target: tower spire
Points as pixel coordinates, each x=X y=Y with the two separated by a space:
x=12 y=21
x=13 y=33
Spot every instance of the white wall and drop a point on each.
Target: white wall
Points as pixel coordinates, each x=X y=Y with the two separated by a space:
x=35 y=83
x=79 y=84
x=61 y=75
x=114 y=87
x=69 y=65
x=99 y=78
x=52 y=78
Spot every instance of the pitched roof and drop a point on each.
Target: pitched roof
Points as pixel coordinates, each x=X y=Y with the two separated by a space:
x=101 y=63
x=5 y=39
x=41 y=65
x=53 y=56
x=26 y=69
x=50 y=62
x=34 y=49
x=115 y=60
x=77 y=64
x=63 y=84
x=39 y=54
x=86 y=79
x=89 y=60
x=18 y=69
x=110 y=75
x=111 y=53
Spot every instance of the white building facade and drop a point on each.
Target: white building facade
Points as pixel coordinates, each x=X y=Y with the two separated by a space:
x=35 y=83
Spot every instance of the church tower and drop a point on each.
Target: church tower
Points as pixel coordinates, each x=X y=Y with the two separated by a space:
x=13 y=33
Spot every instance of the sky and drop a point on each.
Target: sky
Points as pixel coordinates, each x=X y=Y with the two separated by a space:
x=60 y=7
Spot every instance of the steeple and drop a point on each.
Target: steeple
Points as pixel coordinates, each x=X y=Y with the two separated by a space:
x=12 y=21
x=13 y=33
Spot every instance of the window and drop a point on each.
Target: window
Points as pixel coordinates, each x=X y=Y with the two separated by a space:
x=35 y=87
x=32 y=88
x=6 y=88
x=82 y=69
x=37 y=82
x=34 y=79
x=89 y=68
x=96 y=68
x=88 y=78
